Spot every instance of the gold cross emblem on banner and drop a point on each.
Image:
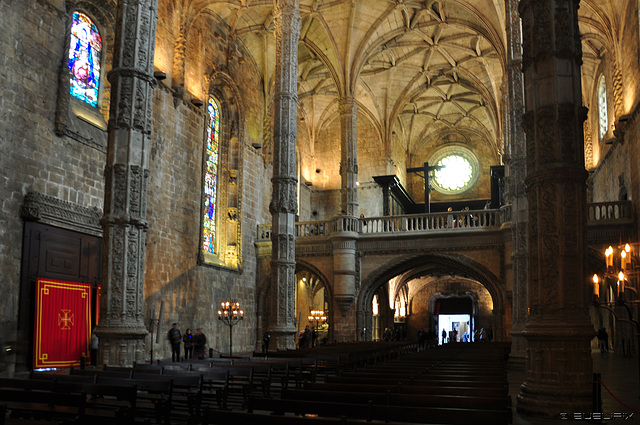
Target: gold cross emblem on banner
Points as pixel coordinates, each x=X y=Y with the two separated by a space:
x=66 y=319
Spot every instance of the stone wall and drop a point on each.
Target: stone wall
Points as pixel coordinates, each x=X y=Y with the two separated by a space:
x=32 y=156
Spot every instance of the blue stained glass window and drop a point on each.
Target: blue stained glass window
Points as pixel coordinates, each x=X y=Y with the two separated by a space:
x=211 y=177
x=84 y=59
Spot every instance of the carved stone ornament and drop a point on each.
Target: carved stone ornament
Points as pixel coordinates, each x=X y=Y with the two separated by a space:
x=53 y=211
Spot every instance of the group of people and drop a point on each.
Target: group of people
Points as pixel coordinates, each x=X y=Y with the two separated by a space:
x=194 y=344
x=396 y=334
x=481 y=335
x=307 y=338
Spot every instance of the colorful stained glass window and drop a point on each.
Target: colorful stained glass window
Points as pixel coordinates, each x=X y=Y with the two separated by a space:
x=211 y=177
x=84 y=59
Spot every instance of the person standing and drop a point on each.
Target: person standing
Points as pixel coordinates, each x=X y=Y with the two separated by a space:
x=187 y=340
x=175 y=338
x=444 y=336
x=266 y=339
x=199 y=341
x=93 y=346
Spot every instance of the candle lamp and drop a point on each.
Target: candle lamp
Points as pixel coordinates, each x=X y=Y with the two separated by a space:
x=230 y=314
x=317 y=316
x=621 y=275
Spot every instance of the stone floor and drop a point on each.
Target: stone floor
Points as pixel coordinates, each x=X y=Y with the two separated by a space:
x=618 y=373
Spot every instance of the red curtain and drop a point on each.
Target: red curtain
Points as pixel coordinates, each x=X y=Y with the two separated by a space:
x=62 y=323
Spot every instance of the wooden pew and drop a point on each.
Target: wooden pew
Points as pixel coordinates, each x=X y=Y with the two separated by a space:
x=399 y=388
x=370 y=411
x=154 y=398
x=212 y=417
x=24 y=405
x=78 y=402
x=401 y=399
x=421 y=381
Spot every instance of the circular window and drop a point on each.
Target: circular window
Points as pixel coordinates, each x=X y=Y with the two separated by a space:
x=459 y=172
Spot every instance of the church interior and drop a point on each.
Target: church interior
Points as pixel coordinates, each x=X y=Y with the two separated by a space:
x=370 y=170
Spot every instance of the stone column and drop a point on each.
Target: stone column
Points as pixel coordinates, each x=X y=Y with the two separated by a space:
x=345 y=232
x=558 y=333
x=283 y=206
x=516 y=170
x=349 y=155
x=121 y=329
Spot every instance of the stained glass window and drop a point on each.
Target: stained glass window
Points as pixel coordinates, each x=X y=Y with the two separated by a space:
x=603 y=114
x=211 y=177
x=84 y=59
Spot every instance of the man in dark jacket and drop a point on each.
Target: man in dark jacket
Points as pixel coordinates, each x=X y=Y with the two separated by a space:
x=199 y=341
x=175 y=338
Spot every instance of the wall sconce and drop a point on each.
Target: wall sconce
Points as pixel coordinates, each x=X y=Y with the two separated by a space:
x=308 y=184
x=197 y=102
x=257 y=145
x=159 y=75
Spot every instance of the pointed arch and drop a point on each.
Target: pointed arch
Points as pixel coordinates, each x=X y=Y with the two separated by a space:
x=419 y=265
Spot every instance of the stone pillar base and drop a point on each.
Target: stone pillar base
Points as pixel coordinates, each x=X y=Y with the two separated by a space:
x=283 y=339
x=121 y=346
x=518 y=355
x=559 y=369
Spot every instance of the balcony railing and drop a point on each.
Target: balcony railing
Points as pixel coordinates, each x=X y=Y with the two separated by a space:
x=602 y=213
x=449 y=221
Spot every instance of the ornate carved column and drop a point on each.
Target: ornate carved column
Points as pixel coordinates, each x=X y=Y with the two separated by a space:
x=345 y=234
x=283 y=204
x=516 y=168
x=558 y=333
x=121 y=329
x=349 y=155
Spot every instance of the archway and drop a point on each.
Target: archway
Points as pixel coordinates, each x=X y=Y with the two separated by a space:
x=313 y=307
x=445 y=274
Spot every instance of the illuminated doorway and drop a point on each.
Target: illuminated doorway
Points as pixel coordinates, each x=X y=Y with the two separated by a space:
x=461 y=323
x=455 y=317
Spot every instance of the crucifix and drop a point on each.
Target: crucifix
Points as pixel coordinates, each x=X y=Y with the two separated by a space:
x=425 y=170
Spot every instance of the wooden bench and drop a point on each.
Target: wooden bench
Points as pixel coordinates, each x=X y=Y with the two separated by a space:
x=76 y=402
x=225 y=417
x=23 y=405
x=399 y=388
x=370 y=411
x=401 y=399
x=154 y=398
x=416 y=382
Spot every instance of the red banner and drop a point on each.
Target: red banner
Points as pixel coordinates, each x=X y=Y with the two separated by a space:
x=62 y=323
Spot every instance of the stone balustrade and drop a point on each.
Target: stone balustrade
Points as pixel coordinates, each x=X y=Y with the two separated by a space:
x=601 y=213
x=616 y=212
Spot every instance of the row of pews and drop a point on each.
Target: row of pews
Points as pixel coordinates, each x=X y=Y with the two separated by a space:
x=333 y=384
x=163 y=393
x=455 y=384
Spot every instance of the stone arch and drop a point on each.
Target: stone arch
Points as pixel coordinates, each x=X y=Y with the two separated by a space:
x=418 y=265
x=302 y=265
